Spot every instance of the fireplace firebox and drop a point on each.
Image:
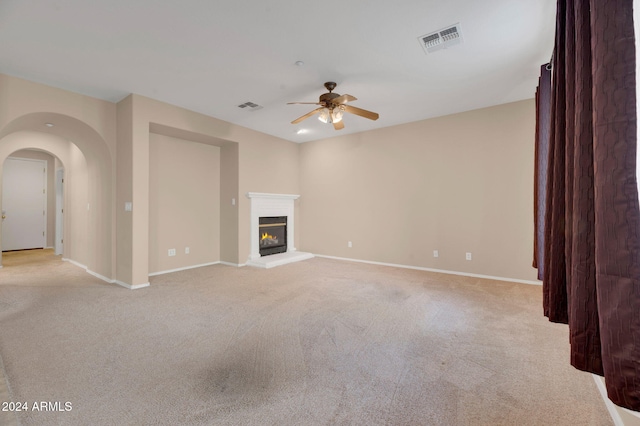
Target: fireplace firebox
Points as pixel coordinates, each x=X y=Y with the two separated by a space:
x=272 y=235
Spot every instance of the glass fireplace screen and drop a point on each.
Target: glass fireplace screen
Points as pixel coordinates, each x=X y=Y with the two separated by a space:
x=272 y=235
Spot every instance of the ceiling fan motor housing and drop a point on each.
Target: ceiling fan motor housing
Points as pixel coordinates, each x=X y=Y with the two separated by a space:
x=327 y=97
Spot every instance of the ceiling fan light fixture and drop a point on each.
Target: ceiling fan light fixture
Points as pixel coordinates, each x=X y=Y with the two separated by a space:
x=325 y=115
x=333 y=115
x=336 y=114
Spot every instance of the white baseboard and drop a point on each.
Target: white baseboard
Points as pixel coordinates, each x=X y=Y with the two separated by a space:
x=102 y=277
x=73 y=262
x=105 y=279
x=130 y=286
x=440 y=271
x=237 y=265
x=89 y=271
x=614 y=410
x=168 y=271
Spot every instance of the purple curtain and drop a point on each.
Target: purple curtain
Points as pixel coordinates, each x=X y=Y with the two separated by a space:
x=590 y=254
x=543 y=125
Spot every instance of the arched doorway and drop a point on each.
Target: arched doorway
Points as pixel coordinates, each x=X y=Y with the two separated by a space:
x=89 y=188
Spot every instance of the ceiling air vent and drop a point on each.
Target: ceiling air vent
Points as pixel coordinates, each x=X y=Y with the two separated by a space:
x=441 y=39
x=250 y=106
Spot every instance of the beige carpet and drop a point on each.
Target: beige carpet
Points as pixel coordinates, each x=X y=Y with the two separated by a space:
x=320 y=342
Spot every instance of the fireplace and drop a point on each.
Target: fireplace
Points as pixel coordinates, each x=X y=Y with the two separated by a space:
x=280 y=207
x=272 y=235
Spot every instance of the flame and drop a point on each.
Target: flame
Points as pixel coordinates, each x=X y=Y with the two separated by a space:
x=266 y=236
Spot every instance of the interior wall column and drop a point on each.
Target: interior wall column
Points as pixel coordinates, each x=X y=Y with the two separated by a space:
x=132 y=209
x=229 y=201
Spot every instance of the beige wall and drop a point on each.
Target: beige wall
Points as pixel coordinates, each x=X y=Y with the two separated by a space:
x=271 y=166
x=88 y=124
x=142 y=116
x=116 y=242
x=184 y=203
x=456 y=184
x=229 y=194
x=76 y=218
x=124 y=193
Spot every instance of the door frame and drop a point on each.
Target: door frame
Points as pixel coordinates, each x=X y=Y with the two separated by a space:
x=59 y=189
x=44 y=194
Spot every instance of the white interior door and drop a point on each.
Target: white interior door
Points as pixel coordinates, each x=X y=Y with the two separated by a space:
x=24 y=201
x=59 y=210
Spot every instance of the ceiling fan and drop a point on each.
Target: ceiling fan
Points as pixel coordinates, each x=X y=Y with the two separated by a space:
x=332 y=107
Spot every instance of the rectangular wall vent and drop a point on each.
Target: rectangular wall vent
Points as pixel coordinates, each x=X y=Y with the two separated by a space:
x=250 y=106
x=441 y=39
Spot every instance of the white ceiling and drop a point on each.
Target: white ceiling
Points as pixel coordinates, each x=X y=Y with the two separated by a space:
x=210 y=56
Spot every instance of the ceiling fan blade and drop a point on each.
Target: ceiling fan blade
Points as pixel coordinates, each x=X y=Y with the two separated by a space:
x=343 y=99
x=339 y=125
x=307 y=115
x=305 y=103
x=361 y=112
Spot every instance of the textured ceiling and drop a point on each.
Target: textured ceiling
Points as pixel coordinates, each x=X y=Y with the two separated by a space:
x=211 y=56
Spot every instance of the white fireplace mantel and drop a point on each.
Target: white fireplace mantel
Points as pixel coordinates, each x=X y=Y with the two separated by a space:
x=269 y=196
x=266 y=204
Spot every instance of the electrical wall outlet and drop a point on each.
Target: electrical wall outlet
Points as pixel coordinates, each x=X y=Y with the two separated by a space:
x=349 y=244
x=172 y=252
x=435 y=253
x=186 y=250
x=468 y=256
